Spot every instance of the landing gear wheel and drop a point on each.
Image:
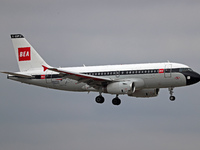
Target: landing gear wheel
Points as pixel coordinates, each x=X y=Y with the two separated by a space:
x=172 y=98
x=99 y=99
x=116 y=101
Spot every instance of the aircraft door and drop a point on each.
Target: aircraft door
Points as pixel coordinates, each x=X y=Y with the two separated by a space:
x=58 y=80
x=55 y=79
x=168 y=70
x=48 y=76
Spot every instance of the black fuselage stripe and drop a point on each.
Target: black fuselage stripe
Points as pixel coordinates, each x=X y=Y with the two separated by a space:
x=116 y=73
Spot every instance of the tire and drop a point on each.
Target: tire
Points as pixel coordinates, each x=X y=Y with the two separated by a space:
x=99 y=99
x=172 y=98
x=116 y=101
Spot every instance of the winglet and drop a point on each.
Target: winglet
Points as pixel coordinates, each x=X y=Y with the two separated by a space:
x=45 y=68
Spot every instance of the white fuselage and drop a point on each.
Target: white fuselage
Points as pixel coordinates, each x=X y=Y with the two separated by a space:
x=154 y=75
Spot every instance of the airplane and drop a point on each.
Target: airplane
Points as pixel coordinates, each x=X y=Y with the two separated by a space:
x=135 y=80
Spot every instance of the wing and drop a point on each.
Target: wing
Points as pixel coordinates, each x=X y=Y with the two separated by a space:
x=93 y=81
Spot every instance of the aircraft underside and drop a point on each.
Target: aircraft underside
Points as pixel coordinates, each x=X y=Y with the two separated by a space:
x=145 y=87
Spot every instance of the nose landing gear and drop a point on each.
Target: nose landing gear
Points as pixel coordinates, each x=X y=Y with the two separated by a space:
x=172 y=98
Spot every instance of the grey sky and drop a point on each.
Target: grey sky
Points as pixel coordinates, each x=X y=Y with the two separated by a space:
x=72 y=33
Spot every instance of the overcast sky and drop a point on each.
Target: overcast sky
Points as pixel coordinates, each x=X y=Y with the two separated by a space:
x=76 y=32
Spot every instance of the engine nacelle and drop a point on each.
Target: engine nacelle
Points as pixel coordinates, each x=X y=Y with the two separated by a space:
x=125 y=87
x=145 y=93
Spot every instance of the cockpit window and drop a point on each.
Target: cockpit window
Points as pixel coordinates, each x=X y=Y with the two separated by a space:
x=185 y=69
x=189 y=69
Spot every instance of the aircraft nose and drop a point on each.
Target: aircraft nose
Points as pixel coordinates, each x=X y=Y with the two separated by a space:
x=192 y=77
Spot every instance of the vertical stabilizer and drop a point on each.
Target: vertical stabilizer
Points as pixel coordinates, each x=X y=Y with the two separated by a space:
x=27 y=57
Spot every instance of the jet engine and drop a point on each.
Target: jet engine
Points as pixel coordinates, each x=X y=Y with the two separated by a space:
x=120 y=88
x=145 y=93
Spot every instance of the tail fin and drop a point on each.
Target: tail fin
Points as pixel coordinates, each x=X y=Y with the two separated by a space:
x=27 y=57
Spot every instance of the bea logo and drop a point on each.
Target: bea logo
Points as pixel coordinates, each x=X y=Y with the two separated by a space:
x=24 y=53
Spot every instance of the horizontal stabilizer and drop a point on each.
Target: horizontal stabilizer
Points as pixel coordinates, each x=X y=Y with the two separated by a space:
x=18 y=74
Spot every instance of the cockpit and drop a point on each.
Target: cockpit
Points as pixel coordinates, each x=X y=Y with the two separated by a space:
x=185 y=69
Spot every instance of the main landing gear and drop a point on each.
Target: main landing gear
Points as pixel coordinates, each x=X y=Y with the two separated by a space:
x=116 y=100
x=100 y=99
x=172 y=98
